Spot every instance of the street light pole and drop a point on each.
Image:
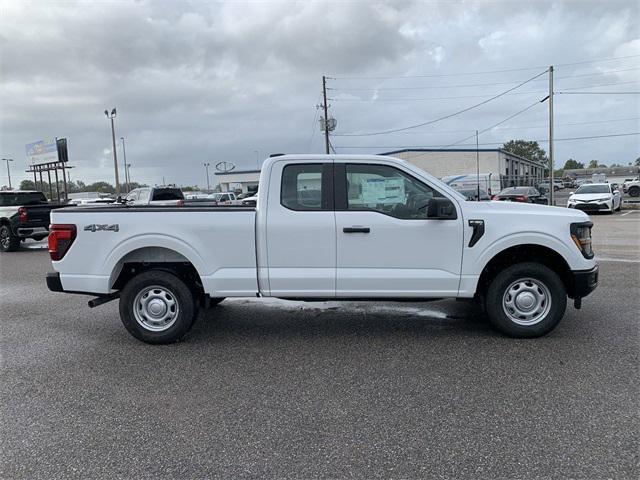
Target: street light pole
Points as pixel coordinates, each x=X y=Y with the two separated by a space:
x=124 y=161
x=111 y=116
x=257 y=159
x=206 y=167
x=128 y=172
x=8 y=170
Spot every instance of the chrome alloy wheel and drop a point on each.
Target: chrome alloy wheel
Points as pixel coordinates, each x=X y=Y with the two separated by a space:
x=156 y=308
x=527 y=301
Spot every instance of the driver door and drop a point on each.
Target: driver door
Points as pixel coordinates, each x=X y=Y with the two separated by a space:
x=386 y=246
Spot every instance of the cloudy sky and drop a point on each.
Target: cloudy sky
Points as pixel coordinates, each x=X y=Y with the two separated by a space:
x=197 y=82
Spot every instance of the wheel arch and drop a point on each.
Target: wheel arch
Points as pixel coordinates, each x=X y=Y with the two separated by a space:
x=147 y=258
x=529 y=252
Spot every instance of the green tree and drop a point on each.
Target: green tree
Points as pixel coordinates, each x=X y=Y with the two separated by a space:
x=102 y=187
x=526 y=149
x=27 y=185
x=572 y=164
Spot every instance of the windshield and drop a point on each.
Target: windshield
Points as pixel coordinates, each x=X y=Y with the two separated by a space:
x=593 y=189
x=16 y=199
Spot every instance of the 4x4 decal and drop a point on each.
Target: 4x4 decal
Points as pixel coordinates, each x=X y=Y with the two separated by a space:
x=102 y=228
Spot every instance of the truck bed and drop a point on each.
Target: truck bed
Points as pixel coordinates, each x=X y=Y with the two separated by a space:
x=218 y=241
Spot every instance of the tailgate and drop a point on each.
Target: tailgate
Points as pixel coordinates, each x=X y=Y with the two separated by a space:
x=37 y=216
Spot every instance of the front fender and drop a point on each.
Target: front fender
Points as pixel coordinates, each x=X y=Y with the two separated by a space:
x=573 y=258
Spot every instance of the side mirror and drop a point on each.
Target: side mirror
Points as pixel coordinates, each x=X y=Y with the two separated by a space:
x=441 y=208
x=120 y=199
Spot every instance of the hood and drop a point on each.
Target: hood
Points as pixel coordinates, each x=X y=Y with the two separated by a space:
x=497 y=207
x=589 y=196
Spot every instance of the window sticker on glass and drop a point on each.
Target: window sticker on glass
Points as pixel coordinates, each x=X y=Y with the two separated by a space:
x=383 y=191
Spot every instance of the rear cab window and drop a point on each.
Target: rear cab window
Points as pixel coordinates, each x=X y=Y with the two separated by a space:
x=17 y=199
x=306 y=187
x=165 y=194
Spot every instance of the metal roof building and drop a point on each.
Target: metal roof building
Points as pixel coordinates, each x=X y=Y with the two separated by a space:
x=462 y=161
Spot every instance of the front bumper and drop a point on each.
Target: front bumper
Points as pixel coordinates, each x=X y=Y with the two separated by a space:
x=584 y=282
x=590 y=207
x=53 y=282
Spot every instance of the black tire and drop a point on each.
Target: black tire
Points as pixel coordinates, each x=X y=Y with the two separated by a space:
x=8 y=241
x=547 y=285
x=171 y=293
x=634 y=191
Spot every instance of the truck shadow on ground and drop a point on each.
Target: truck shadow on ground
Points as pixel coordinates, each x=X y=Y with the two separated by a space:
x=234 y=318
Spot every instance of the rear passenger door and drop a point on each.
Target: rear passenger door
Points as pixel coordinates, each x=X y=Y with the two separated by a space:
x=301 y=230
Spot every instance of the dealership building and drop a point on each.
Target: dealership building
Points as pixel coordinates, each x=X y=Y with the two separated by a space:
x=512 y=169
x=238 y=181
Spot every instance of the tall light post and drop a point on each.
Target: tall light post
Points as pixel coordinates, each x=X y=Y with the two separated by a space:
x=124 y=161
x=128 y=172
x=257 y=159
x=8 y=170
x=206 y=167
x=111 y=116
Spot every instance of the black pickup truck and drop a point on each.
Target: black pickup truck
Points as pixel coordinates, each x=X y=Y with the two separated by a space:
x=23 y=214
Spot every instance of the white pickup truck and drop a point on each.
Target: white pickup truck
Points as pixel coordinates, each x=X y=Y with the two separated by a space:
x=335 y=227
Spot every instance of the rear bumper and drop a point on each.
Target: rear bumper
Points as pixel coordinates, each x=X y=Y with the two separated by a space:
x=53 y=282
x=584 y=282
x=26 y=232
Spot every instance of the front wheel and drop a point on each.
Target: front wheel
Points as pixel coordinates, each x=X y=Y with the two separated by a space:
x=526 y=300
x=157 y=307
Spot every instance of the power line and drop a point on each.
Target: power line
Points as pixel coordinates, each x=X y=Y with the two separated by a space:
x=522 y=127
x=597 y=93
x=427 y=87
x=522 y=69
x=430 y=122
x=495 y=125
x=407 y=99
x=489 y=143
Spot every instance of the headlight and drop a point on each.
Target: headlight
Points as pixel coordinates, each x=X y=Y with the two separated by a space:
x=581 y=236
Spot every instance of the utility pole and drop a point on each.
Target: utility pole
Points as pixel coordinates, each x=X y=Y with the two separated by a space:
x=128 y=172
x=257 y=159
x=326 y=114
x=8 y=170
x=126 y=179
x=551 y=163
x=477 y=166
x=111 y=116
x=206 y=167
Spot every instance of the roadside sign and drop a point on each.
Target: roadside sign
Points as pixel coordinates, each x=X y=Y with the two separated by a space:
x=42 y=151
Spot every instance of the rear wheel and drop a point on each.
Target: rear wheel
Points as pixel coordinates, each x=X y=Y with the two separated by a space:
x=526 y=300
x=634 y=191
x=157 y=307
x=8 y=241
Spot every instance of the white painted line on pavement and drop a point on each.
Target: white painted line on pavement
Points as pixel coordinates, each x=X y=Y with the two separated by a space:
x=630 y=211
x=622 y=260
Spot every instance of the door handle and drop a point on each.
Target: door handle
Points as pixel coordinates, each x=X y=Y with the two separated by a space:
x=356 y=229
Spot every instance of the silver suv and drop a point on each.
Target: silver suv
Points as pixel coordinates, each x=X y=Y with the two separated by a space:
x=155 y=196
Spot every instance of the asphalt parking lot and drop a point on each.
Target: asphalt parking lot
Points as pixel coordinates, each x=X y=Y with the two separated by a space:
x=293 y=390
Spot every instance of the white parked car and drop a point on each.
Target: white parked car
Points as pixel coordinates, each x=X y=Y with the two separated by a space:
x=327 y=227
x=158 y=195
x=595 y=197
x=224 y=198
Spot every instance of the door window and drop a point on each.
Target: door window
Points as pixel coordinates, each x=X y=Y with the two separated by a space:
x=302 y=187
x=133 y=196
x=144 y=195
x=387 y=190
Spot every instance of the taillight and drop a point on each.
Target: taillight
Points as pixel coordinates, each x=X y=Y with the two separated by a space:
x=22 y=215
x=60 y=239
x=180 y=203
x=521 y=199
